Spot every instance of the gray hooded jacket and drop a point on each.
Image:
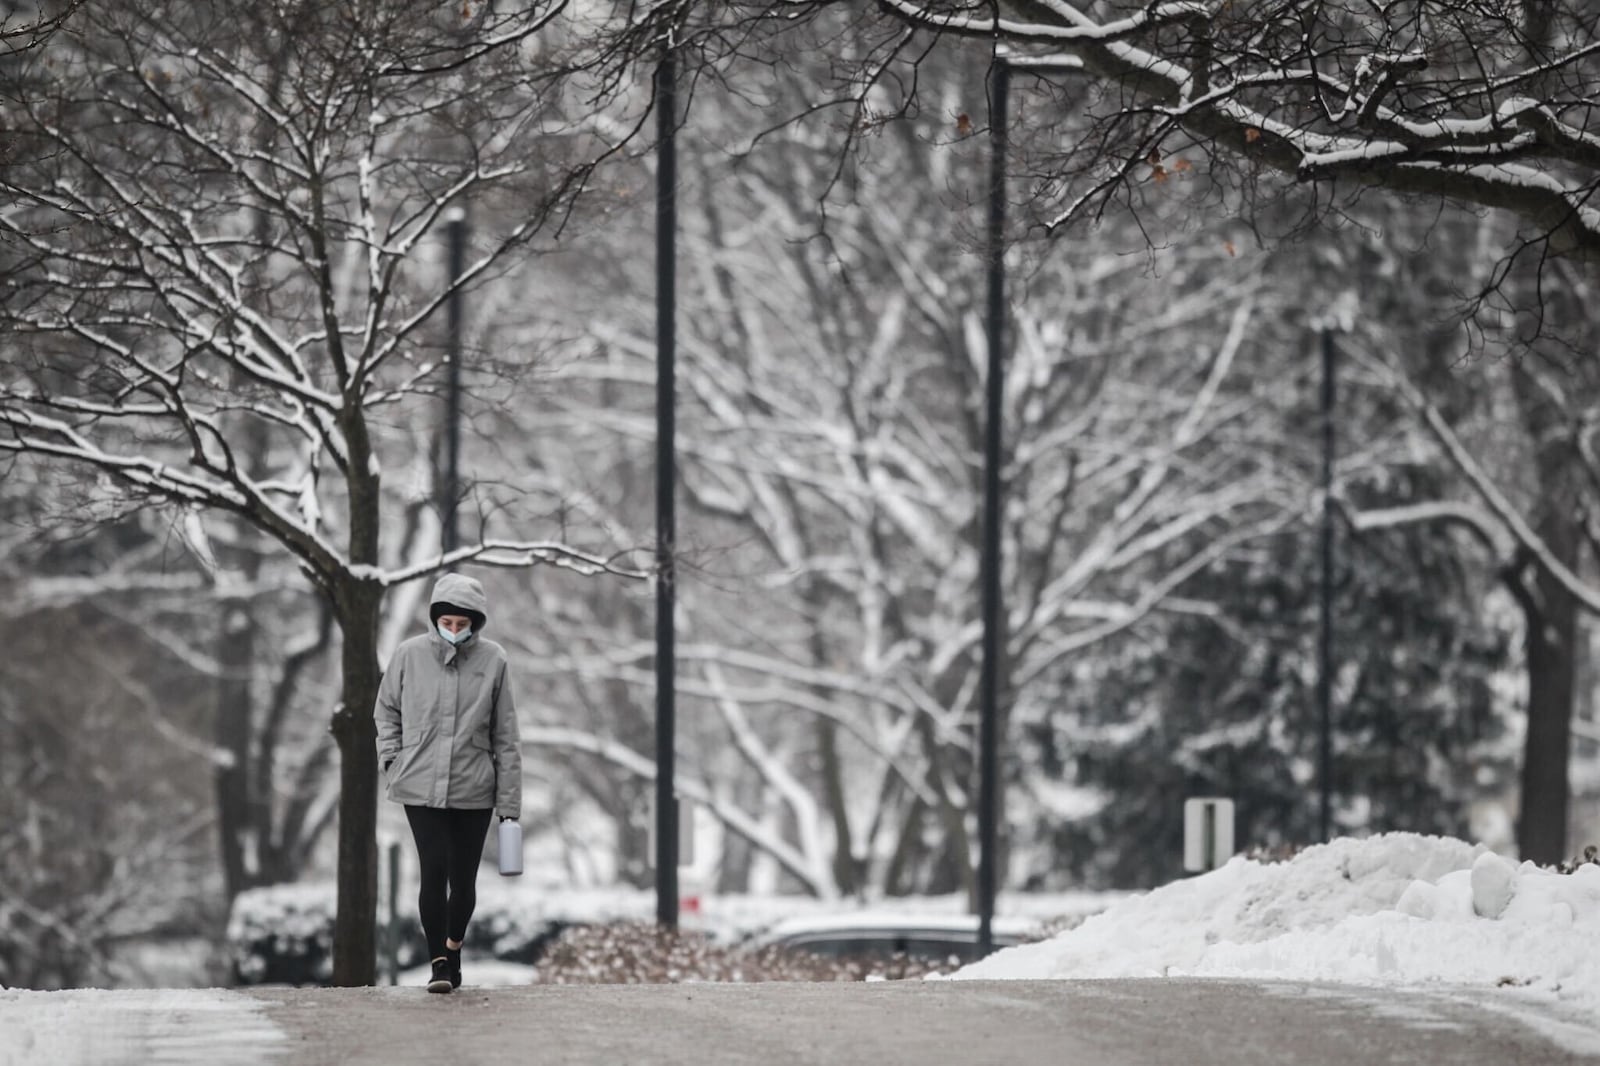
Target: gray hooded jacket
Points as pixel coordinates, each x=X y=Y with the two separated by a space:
x=447 y=729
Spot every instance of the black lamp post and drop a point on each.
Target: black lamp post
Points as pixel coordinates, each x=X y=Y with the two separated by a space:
x=994 y=396
x=666 y=856
x=1325 y=599
x=450 y=488
x=994 y=406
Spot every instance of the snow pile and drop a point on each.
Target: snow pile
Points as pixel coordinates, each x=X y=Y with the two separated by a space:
x=1392 y=909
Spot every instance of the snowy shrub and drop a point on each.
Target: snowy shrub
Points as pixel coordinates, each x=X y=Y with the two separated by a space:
x=283 y=934
x=642 y=953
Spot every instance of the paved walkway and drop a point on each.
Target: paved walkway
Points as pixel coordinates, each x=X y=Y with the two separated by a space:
x=1095 y=1023
x=911 y=1023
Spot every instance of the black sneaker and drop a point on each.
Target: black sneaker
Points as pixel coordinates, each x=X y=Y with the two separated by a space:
x=454 y=955
x=440 y=981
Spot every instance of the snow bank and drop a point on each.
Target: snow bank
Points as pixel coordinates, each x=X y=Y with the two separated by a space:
x=1393 y=909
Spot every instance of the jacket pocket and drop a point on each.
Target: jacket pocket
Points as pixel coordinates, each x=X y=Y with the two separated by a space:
x=401 y=775
x=478 y=773
x=402 y=755
x=394 y=758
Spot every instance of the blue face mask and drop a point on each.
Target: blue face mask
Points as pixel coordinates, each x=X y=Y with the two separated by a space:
x=455 y=638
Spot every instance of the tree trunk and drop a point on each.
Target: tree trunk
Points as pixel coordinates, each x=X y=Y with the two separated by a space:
x=356 y=603
x=846 y=871
x=235 y=655
x=354 y=940
x=1547 y=749
x=951 y=868
x=1552 y=631
x=896 y=878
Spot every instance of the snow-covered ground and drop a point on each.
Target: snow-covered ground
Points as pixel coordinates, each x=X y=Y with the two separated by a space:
x=1395 y=909
x=173 y=1027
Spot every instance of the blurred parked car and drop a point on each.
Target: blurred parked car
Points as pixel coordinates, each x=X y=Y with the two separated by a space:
x=876 y=936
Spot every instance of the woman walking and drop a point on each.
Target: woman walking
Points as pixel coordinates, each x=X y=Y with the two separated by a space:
x=450 y=751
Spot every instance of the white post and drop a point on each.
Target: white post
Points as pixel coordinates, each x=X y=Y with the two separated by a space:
x=1207 y=833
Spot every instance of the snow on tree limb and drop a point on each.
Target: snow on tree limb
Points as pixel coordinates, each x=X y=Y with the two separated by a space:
x=774 y=772
x=1483 y=524
x=1494 y=498
x=1470 y=106
x=507 y=553
x=46 y=593
x=795 y=862
x=24 y=36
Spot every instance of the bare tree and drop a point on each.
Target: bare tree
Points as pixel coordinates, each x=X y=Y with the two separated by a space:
x=830 y=444
x=221 y=228
x=1293 y=110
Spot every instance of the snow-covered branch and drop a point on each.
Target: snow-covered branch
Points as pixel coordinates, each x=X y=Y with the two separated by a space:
x=1498 y=503
x=509 y=554
x=1323 y=94
x=572 y=740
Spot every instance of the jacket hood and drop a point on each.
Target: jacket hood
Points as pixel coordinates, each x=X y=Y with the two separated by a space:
x=458 y=590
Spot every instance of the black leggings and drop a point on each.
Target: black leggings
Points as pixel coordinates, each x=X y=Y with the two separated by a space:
x=449 y=847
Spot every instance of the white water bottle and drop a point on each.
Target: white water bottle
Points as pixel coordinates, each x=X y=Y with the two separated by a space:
x=510 y=848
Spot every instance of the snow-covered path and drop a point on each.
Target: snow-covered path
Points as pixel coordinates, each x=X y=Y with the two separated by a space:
x=1197 y=1022
x=169 y=1027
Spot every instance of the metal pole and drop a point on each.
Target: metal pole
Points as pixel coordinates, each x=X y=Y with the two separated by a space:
x=989 y=682
x=1325 y=595
x=450 y=491
x=666 y=573
x=394 y=912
